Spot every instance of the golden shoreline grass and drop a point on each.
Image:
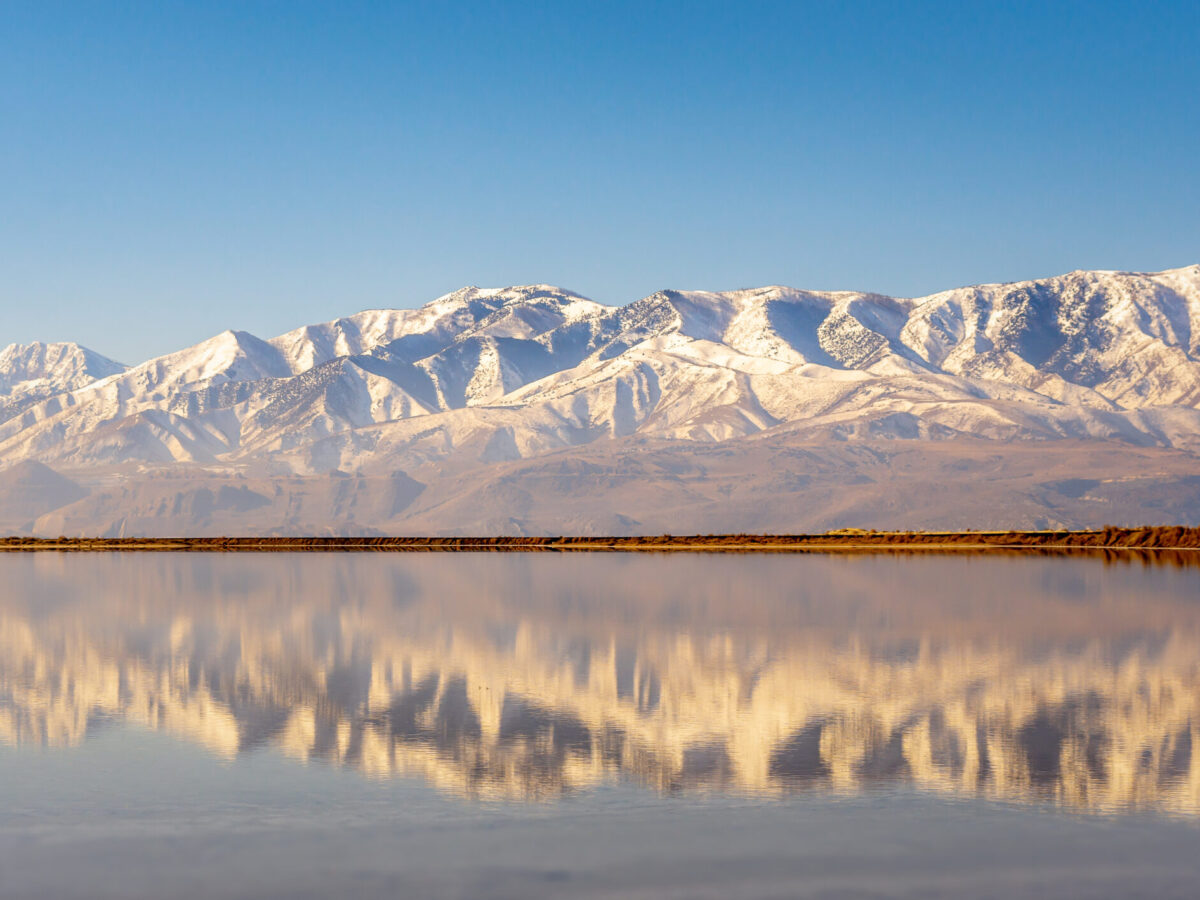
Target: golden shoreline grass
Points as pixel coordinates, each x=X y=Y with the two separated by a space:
x=1107 y=539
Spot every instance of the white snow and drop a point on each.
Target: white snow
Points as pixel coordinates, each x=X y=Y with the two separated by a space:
x=530 y=369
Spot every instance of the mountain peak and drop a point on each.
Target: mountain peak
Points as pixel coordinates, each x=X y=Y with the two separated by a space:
x=487 y=375
x=515 y=293
x=62 y=364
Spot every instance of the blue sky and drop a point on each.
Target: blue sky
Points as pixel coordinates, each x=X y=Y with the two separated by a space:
x=169 y=170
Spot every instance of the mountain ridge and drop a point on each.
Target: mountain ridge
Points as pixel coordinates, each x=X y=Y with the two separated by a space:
x=480 y=377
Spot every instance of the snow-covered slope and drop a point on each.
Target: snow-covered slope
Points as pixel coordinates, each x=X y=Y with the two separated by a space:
x=482 y=377
x=30 y=373
x=64 y=366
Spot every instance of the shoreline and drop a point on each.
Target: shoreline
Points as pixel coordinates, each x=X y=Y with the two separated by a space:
x=1107 y=539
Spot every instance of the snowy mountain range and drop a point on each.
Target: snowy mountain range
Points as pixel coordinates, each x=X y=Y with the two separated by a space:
x=533 y=409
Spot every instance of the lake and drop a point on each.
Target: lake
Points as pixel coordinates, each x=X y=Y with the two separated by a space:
x=598 y=725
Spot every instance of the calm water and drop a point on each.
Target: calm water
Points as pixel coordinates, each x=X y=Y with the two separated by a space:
x=598 y=726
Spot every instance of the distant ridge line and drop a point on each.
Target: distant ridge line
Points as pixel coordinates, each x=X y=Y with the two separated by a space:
x=1109 y=538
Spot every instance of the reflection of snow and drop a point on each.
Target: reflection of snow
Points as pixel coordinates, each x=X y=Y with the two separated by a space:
x=484 y=695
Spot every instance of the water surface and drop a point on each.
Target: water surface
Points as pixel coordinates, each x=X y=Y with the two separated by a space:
x=597 y=725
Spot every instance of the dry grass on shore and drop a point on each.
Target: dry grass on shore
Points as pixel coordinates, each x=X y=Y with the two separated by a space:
x=1108 y=538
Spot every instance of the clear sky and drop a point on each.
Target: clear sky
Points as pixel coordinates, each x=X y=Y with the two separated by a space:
x=169 y=170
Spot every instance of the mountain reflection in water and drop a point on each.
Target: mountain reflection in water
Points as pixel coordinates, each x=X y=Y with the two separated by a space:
x=1071 y=682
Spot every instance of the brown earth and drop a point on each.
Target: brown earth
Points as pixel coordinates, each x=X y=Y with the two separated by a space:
x=1106 y=540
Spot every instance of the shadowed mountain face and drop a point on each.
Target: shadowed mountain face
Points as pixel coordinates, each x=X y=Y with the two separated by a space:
x=481 y=395
x=530 y=677
x=29 y=490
